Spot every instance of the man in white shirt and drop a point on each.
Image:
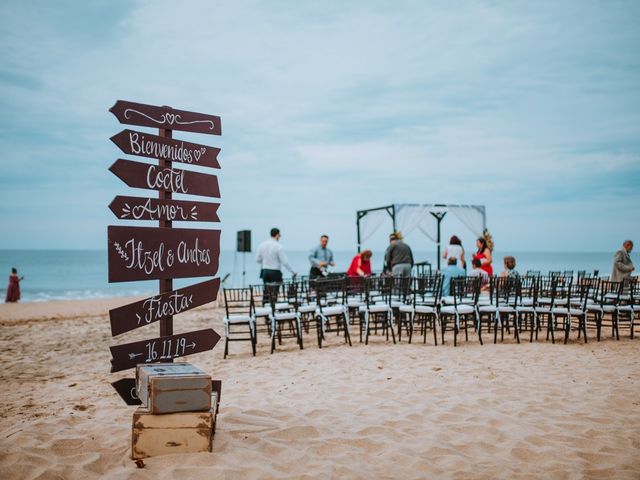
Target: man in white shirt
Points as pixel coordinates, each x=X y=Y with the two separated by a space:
x=272 y=258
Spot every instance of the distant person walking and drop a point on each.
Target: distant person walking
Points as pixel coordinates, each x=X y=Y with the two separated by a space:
x=622 y=264
x=321 y=258
x=398 y=257
x=272 y=258
x=455 y=250
x=484 y=255
x=360 y=265
x=13 y=290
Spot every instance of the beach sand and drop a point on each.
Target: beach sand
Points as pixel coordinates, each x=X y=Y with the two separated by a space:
x=378 y=411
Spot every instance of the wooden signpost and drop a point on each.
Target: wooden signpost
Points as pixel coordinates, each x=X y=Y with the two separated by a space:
x=163 y=252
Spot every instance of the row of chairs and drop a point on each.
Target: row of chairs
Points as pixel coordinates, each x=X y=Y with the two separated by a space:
x=396 y=305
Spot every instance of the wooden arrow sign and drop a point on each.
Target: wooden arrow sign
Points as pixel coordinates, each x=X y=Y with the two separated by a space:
x=162 y=349
x=143 y=175
x=142 y=253
x=126 y=388
x=163 y=148
x=152 y=309
x=138 y=208
x=165 y=117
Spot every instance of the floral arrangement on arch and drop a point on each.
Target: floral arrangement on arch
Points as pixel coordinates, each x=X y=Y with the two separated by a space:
x=488 y=238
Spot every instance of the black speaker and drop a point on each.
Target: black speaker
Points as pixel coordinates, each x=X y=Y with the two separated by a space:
x=244 y=241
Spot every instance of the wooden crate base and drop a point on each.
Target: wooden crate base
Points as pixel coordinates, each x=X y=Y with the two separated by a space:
x=184 y=432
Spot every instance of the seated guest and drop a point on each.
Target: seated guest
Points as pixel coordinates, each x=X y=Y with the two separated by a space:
x=360 y=265
x=509 y=268
x=452 y=270
x=477 y=271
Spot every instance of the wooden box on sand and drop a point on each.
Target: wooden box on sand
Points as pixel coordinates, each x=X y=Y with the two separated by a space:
x=173 y=387
x=184 y=432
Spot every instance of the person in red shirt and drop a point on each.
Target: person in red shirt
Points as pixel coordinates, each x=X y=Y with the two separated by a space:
x=13 y=290
x=484 y=255
x=360 y=265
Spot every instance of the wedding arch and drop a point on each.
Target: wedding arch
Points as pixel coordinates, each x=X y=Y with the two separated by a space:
x=407 y=217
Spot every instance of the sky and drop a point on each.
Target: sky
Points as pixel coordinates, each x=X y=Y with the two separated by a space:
x=529 y=108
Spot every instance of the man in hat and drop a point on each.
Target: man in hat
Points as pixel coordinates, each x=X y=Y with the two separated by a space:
x=398 y=257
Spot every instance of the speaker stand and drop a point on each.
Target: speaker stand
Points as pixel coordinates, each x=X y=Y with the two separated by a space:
x=244 y=272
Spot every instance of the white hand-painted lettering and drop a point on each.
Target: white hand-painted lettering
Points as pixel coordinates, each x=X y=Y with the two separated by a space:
x=169 y=118
x=193 y=254
x=166 y=179
x=141 y=146
x=160 y=211
x=155 y=309
x=169 y=349
x=141 y=259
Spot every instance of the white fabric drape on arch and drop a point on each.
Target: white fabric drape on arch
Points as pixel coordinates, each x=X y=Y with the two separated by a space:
x=470 y=217
x=371 y=222
x=411 y=216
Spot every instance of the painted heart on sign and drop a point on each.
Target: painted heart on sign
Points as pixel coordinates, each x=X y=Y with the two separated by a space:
x=170 y=117
x=197 y=154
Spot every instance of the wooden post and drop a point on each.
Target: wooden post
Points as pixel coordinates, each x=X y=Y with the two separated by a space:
x=166 y=284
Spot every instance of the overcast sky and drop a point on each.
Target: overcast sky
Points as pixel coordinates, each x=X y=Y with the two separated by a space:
x=530 y=108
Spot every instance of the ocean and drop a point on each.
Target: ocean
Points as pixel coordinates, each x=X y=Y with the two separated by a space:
x=82 y=274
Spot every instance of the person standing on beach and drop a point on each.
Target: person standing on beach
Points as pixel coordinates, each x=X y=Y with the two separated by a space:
x=13 y=290
x=452 y=270
x=272 y=258
x=484 y=255
x=455 y=250
x=398 y=257
x=320 y=257
x=622 y=264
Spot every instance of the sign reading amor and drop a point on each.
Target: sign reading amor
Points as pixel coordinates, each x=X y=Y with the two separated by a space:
x=163 y=148
x=165 y=117
x=137 y=208
x=141 y=253
x=143 y=175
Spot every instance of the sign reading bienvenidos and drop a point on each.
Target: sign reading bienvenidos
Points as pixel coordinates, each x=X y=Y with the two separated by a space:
x=163 y=252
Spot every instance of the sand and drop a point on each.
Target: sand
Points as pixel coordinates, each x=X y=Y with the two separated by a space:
x=378 y=411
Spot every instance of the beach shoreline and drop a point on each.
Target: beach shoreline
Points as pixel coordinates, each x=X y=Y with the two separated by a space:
x=377 y=411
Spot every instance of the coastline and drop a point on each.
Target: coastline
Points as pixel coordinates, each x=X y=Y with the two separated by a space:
x=12 y=313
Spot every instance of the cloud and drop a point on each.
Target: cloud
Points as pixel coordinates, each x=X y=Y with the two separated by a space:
x=331 y=108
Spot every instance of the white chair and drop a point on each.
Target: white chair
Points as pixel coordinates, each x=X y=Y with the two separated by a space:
x=377 y=308
x=466 y=291
x=424 y=308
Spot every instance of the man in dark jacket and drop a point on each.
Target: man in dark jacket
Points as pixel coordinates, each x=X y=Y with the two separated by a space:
x=398 y=257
